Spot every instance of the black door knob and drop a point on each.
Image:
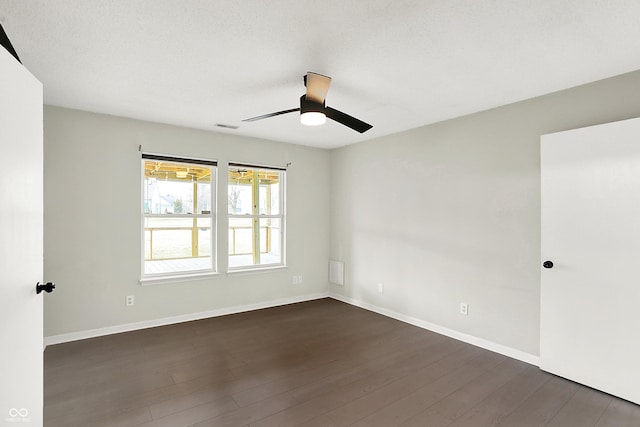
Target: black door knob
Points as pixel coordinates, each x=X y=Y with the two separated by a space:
x=48 y=287
x=547 y=264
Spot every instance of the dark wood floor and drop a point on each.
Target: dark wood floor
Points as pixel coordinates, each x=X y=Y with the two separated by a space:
x=319 y=363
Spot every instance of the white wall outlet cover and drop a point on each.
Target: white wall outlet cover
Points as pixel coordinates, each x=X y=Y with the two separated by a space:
x=464 y=308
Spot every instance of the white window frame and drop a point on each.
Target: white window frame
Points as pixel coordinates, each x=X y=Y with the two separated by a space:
x=180 y=275
x=281 y=216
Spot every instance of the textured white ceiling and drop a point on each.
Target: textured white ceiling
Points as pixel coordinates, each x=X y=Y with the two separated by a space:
x=395 y=64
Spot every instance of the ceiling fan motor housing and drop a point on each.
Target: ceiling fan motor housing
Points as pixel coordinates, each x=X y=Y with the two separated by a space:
x=308 y=106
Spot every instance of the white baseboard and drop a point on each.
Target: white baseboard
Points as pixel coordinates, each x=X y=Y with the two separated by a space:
x=75 y=336
x=470 y=339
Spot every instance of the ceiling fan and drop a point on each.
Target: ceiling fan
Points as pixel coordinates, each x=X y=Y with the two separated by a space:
x=313 y=109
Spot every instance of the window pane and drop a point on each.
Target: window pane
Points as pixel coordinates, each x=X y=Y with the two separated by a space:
x=269 y=193
x=240 y=196
x=204 y=198
x=168 y=238
x=254 y=240
x=167 y=197
x=169 y=187
x=204 y=221
x=240 y=236
x=240 y=199
x=170 y=244
x=177 y=241
x=204 y=242
x=270 y=234
x=274 y=204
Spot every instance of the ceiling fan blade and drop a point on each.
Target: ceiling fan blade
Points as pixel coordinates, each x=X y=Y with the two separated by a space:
x=317 y=87
x=266 y=116
x=347 y=120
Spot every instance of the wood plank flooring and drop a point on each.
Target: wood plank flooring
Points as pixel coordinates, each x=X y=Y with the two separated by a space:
x=318 y=363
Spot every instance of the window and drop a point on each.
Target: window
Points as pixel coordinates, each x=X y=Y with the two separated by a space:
x=256 y=216
x=178 y=206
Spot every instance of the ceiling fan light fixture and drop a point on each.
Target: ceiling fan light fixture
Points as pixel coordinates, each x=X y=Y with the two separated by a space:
x=313 y=118
x=313 y=108
x=312 y=112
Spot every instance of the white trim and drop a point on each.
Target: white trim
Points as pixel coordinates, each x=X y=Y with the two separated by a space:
x=258 y=269
x=460 y=336
x=162 y=280
x=470 y=339
x=75 y=336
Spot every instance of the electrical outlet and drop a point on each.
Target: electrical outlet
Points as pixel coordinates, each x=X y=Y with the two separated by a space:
x=130 y=300
x=380 y=287
x=464 y=308
x=300 y=278
x=296 y=280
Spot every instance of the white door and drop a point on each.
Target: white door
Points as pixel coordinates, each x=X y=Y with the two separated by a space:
x=21 y=222
x=590 y=297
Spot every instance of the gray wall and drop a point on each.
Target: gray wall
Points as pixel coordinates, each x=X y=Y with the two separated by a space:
x=92 y=221
x=450 y=213
x=439 y=215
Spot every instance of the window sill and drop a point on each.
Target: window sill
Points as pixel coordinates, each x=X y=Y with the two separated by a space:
x=161 y=280
x=256 y=270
